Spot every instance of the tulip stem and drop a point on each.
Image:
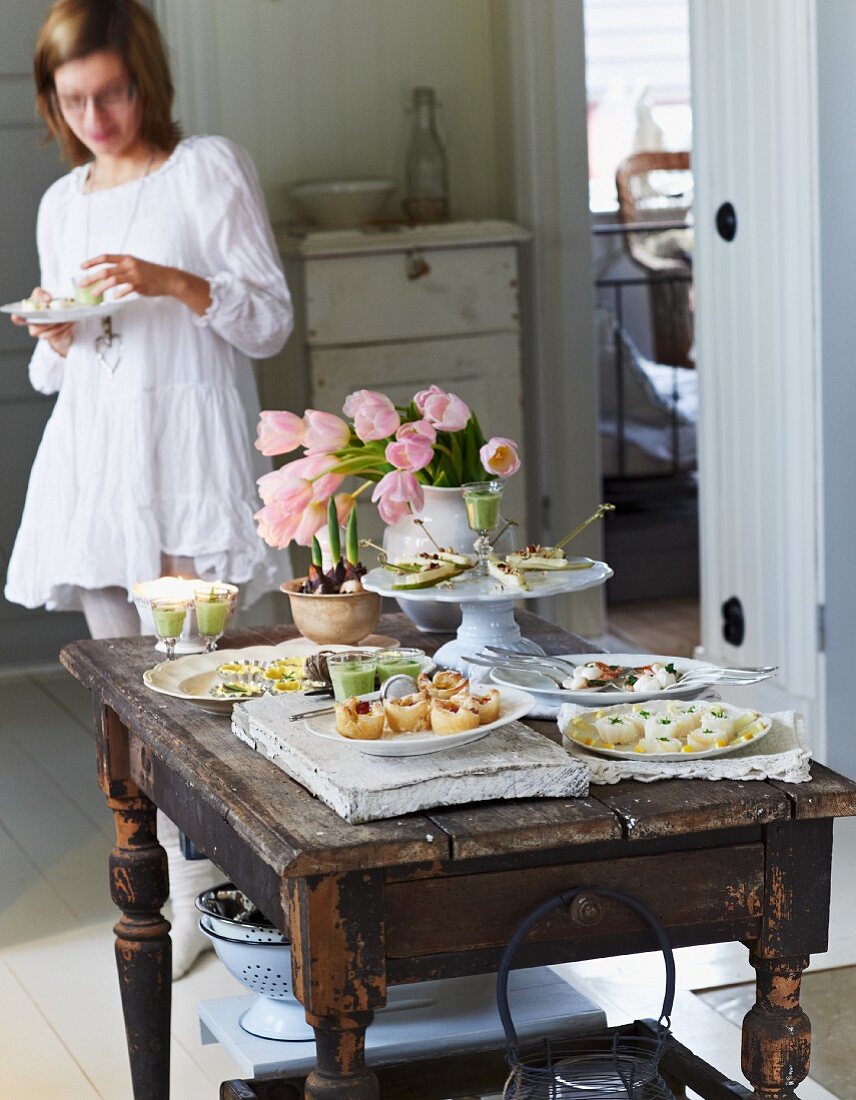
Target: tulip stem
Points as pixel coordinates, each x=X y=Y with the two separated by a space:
x=602 y=510
x=361 y=489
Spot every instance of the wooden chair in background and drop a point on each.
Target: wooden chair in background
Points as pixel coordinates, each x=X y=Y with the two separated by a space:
x=656 y=187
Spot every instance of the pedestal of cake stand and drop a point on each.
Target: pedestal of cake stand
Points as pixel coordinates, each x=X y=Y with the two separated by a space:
x=484 y=622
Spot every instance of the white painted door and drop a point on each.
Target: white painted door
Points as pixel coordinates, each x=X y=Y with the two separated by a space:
x=754 y=104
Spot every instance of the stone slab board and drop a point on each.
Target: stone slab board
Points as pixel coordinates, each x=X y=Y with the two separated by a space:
x=511 y=762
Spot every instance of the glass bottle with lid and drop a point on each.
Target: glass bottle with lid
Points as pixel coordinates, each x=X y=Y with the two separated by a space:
x=427 y=170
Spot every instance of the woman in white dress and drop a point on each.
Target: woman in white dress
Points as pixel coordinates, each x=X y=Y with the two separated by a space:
x=145 y=463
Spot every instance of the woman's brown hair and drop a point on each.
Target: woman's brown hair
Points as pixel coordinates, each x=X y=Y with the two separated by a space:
x=76 y=28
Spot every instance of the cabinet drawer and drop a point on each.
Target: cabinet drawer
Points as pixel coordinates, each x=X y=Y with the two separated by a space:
x=364 y=299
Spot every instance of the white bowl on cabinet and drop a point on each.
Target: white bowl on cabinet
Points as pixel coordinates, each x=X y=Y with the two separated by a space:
x=339 y=204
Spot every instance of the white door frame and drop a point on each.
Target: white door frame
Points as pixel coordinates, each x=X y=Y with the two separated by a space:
x=758 y=339
x=546 y=60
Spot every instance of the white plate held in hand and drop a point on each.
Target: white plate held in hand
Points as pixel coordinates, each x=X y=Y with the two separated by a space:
x=60 y=316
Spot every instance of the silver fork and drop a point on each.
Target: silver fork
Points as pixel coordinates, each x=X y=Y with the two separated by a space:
x=558 y=676
x=527 y=658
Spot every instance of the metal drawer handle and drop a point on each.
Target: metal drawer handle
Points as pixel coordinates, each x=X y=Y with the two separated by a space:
x=416 y=265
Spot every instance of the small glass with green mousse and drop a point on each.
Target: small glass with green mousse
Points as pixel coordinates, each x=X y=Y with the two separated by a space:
x=169 y=617
x=399 y=662
x=483 y=500
x=87 y=295
x=213 y=605
x=352 y=673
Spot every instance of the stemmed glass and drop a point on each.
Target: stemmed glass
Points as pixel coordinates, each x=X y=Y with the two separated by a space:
x=482 y=500
x=169 y=616
x=212 y=612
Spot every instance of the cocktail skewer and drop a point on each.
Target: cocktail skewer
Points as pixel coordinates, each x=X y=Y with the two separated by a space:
x=602 y=510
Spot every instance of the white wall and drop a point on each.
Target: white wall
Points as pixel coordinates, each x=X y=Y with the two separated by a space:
x=319 y=89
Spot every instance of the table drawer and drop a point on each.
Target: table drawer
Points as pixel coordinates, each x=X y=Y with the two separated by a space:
x=370 y=299
x=448 y=915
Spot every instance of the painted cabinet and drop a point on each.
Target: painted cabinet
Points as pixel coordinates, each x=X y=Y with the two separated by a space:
x=401 y=309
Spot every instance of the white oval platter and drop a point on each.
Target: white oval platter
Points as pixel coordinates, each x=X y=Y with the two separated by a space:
x=513 y=704
x=625 y=753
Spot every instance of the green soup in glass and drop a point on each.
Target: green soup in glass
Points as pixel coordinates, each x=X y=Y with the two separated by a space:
x=351 y=674
x=211 y=616
x=483 y=510
x=169 y=621
x=399 y=662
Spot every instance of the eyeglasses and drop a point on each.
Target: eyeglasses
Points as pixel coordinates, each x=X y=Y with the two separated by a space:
x=108 y=100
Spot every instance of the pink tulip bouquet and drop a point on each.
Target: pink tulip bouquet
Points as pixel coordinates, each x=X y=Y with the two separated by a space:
x=435 y=440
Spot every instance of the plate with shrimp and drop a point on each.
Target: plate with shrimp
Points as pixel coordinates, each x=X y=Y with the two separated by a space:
x=676 y=729
x=609 y=678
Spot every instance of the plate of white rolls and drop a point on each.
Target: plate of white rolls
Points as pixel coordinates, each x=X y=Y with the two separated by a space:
x=668 y=730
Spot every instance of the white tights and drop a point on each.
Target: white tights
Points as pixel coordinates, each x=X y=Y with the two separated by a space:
x=109 y=614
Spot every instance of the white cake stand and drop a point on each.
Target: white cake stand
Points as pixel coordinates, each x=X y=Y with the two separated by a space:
x=487 y=609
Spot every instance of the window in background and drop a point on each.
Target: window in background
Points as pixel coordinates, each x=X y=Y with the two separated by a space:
x=637 y=83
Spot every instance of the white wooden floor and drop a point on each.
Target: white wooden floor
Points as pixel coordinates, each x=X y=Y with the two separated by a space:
x=61 y=1033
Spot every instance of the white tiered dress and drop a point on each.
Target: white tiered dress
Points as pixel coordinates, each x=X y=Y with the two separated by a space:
x=157 y=458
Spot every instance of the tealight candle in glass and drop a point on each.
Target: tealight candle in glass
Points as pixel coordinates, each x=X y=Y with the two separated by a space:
x=213 y=605
x=169 y=616
x=482 y=500
x=351 y=673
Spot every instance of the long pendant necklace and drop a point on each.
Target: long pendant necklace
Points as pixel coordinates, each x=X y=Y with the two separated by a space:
x=110 y=341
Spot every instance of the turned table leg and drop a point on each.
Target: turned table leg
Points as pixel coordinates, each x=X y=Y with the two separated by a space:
x=338 y=965
x=139 y=886
x=776 y=1031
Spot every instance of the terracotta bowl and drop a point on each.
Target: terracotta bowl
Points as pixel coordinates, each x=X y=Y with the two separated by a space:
x=328 y=620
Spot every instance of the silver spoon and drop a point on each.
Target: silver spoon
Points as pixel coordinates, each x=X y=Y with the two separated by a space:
x=396 y=687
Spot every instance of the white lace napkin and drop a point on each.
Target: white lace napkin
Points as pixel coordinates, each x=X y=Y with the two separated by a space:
x=783 y=754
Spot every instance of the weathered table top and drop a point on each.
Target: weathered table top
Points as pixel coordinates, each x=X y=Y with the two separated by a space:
x=716 y=860
x=299 y=835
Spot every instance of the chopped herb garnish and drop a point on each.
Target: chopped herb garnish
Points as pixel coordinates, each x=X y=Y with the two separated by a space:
x=644 y=713
x=670 y=668
x=718 y=713
x=616 y=721
x=631 y=679
x=664 y=721
x=664 y=739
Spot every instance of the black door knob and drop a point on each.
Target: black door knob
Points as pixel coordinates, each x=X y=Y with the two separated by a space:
x=726 y=222
x=733 y=622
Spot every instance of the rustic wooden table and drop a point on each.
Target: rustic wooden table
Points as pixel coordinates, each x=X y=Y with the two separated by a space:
x=438 y=894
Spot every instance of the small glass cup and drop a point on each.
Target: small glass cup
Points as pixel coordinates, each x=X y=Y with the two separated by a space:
x=213 y=605
x=352 y=673
x=169 y=616
x=399 y=662
x=483 y=500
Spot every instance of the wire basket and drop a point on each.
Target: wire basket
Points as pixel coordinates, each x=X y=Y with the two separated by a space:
x=596 y=1067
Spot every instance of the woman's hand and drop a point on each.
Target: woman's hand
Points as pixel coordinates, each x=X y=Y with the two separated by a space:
x=59 y=336
x=135 y=276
